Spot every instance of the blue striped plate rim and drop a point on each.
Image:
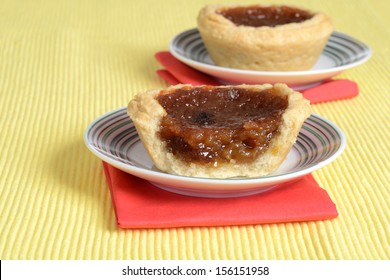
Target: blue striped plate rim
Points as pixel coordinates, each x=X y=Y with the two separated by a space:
x=343 y=50
x=112 y=136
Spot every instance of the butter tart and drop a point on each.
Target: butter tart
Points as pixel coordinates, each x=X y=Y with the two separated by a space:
x=263 y=38
x=219 y=131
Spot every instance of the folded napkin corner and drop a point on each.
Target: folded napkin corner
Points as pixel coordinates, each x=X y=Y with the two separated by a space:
x=139 y=204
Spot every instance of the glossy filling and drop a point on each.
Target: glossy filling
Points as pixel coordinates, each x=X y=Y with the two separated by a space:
x=272 y=16
x=212 y=125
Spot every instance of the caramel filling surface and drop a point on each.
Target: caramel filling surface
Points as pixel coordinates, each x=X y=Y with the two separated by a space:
x=272 y=16
x=213 y=125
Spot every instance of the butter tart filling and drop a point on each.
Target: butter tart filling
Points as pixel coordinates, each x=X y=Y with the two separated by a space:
x=212 y=125
x=271 y=16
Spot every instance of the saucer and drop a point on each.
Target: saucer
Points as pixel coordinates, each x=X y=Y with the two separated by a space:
x=114 y=139
x=342 y=52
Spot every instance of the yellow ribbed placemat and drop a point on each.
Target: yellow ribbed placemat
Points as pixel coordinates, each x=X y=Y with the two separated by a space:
x=64 y=63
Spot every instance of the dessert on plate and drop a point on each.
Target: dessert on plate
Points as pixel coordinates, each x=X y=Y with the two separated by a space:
x=263 y=38
x=219 y=131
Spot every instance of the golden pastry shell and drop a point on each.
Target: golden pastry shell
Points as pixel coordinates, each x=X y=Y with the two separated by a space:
x=146 y=113
x=287 y=47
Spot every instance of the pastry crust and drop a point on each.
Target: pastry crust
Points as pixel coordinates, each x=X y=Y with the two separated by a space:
x=146 y=113
x=287 y=47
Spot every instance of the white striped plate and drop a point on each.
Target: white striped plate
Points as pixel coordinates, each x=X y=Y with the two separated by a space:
x=114 y=139
x=342 y=52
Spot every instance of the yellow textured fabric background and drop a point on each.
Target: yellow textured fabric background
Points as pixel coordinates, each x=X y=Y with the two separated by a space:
x=63 y=63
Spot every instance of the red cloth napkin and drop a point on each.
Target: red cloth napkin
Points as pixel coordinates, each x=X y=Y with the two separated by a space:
x=139 y=204
x=177 y=72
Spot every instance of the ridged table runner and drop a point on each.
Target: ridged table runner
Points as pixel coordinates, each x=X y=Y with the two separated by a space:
x=65 y=63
